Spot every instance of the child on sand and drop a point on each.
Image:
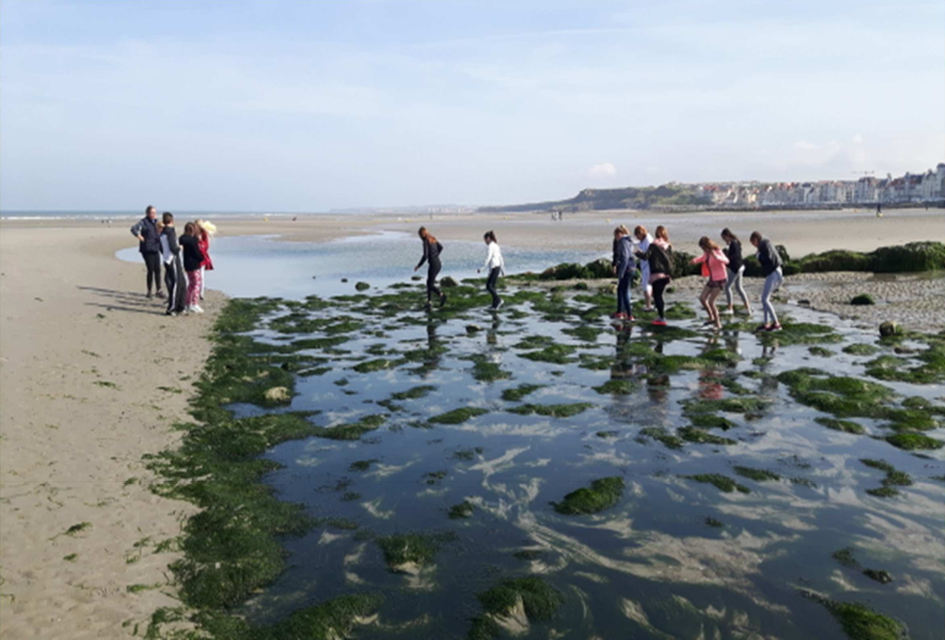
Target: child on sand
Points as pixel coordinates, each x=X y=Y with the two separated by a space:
x=714 y=265
x=770 y=261
x=431 y=255
x=624 y=265
x=735 y=271
x=205 y=231
x=173 y=268
x=495 y=266
x=644 y=239
x=193 y=258
x=658 y=257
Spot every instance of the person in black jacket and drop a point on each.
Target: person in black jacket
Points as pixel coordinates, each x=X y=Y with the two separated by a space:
x=659 y=257
x=193 y=258
x=173 y=267
x=149 y=244
x=770 y=261
x=431 y=255
x=736 y=269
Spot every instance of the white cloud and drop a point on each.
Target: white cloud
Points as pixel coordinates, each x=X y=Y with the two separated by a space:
x=858 y=139
x=602 y=170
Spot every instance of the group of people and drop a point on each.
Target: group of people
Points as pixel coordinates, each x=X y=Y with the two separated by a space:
x=185 y=258
x=652 y=255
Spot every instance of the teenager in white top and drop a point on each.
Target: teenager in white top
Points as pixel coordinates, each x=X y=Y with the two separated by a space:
x=644 y=239
x=495 y=266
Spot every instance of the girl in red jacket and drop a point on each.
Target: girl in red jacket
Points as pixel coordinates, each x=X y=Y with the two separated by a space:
x=205 y=231
x=714 y=265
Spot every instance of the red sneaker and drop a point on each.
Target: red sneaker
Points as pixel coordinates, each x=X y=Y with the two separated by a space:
x=629 y=318
x=659 y=322
x=775 y=327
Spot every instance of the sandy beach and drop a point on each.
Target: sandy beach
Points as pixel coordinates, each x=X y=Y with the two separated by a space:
x=94 y=376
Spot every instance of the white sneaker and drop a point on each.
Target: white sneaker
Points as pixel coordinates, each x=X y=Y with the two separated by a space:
x=197 y=309
x=499 y=306
x=726 y=312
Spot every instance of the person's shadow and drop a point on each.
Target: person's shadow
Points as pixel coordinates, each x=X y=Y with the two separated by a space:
x=115 y=300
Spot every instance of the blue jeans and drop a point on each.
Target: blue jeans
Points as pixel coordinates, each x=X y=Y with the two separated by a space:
x=772 y=284
x=623 y=294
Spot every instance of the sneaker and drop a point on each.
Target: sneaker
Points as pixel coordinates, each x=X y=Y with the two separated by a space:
x=761 y=327
x=631 y=319
x=727 y=312
x=648 y=309
x=659 y=322
x=149 y=295
x=775 y=327
x=427 y=306
x=442 y=299
x=499 y=306
x=159 y=294
x=617 y=315
x=197 y=309
x=170 y=312
x=708 y=322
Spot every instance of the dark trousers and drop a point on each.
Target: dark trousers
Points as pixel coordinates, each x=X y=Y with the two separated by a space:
x=432 y=272
x=623 y=294
x=153 y=262
x=490 y=286
x=658 y=288
x=176 y=285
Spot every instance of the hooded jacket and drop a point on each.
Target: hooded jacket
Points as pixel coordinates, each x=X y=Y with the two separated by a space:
x=768 y=256
x=713 y=265
x=623 y=256
x=659 y=255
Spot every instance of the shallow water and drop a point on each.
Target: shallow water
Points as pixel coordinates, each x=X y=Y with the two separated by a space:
x=650 y=565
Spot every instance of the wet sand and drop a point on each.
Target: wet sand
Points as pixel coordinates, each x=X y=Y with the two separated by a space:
x=83 y=357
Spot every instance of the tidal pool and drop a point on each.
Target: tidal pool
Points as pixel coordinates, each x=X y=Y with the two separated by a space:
x=447 y=442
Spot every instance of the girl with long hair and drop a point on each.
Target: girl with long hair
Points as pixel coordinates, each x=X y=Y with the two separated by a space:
x=624 y=265
x=658 y=257
x=495 y=266
x=735 y=271
x=205 y=231
x=714 y=265
x=431 y=255
x=771 y=262
x=193 y=258
x=644 y=239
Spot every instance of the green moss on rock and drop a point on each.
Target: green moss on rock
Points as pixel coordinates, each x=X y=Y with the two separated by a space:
x=758 y=475
x=458 y=416
x=847 y=426
x=517 y=393
x=720 y=482
x=602 y=494
x=553 y=410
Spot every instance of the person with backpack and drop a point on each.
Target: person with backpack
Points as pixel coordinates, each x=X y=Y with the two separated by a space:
x=659 y=259
x=149 y=245
x=431 y=255
x=495 y=266
x=736 y=270
x=714 y=266
x=771 y=263
x=624 y=266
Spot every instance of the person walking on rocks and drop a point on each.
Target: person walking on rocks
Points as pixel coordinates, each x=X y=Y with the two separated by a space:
x=173 y=267
x=624 y=265
x=736 y=270
x=771 y=263
x=431 y=255
x=644 y=239
x=494 y=266
x=714 y=266
x=149 y=244
x=659 y=258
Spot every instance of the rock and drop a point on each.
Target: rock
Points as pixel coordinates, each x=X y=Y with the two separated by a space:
x=473 y=328
x=888 y=329
x=278 y=394
x=863 y=299
x=548 y=274
x=581 y=286
x=344 y=279
x=314 y=277
x=804 y=302
x=448 y=282
x=416 y=278
x=362 y=286
x=915 y=256
x=600 y=268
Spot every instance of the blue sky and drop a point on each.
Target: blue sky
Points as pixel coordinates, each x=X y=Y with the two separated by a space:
x=284 y=105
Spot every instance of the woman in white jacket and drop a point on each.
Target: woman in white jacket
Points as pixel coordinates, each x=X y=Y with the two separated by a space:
x=495 y=266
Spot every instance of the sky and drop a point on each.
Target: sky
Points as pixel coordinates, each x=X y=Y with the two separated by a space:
x=285 y=105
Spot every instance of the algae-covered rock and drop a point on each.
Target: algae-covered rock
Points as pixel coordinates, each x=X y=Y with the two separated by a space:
x=617 y=387
x=517 y=393
x=602 y=494
x=847 y=426
x=914 y=441
x=458 y=416
x=858 y=621
x=278 y=395
x=408 y=553
x=889 y=328
x=464 y=509
x=334 y=619
x=352 y=430
x=362 y=286
x=758 y=475
x=914 y=256
x=510 y=607
x=564 y=410
x=720 y=482
x=600 y=268
x=448 y=282
x=863 y=299
x=878 y=575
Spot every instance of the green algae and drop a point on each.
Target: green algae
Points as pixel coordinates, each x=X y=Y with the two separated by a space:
x=711 y=421
x=916 y=402
x=351 y=430
x=860 y=622
x=878 y=575
x=416 y=549
x=931 y=370
x=607 y=434
x=484 y=370
x=822 y=352
x=458 y=416
x=362 y=465
x=517 y=393
x=758 y=475
x=564 y=410
x=698 y=436
x=719 y=481
x=336 y=618
x=414 y=393
x=602 y=494
x=860 y=349
x=464 y=509
x=617 y=387
x=434 y=477
x=883 y=492
x=663 y=436
x=800 y=333
x=554 y=353
x=845 y=557
x=584 y=332
x=862 y=300
x=847 y=426
x=467 y=454
x=723 y=356
x=843 y=396
x=379 y=364
x=914 y=441
x=727 y=405
x=539 y=600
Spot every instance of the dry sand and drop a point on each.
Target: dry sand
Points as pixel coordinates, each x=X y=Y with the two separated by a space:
x=73 y=321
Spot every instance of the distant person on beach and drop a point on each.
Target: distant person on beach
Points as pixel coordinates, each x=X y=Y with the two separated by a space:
x=715 y=266
x=770 y=261
x=644 y=239
x=174 y=280
x=494 y=266
x=624 y=265
x=193 y=258
x=149 y=244
x=736 y=269
x=205 y=231
x=431 y=255
x=658 y=256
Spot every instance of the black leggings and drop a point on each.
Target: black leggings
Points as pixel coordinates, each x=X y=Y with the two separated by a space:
x=153 y=262
x=658 y=287
x=490 y=286
x=176 y=285
x=432 y=272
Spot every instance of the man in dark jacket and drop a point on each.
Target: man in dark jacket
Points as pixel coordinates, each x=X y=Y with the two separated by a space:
x=770 y=261
x=149 y=244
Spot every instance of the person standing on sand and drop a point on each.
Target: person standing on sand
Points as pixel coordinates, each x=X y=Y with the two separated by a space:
x=624 y=265
x=714 y=265
x=431 y=255
x=644 y=239
x=736 y=269
x=495 y=266
x=659 y=259
x=149 y=244
x=173 y=268
x=205 y=231
x=770 y=261
x=193 y=258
